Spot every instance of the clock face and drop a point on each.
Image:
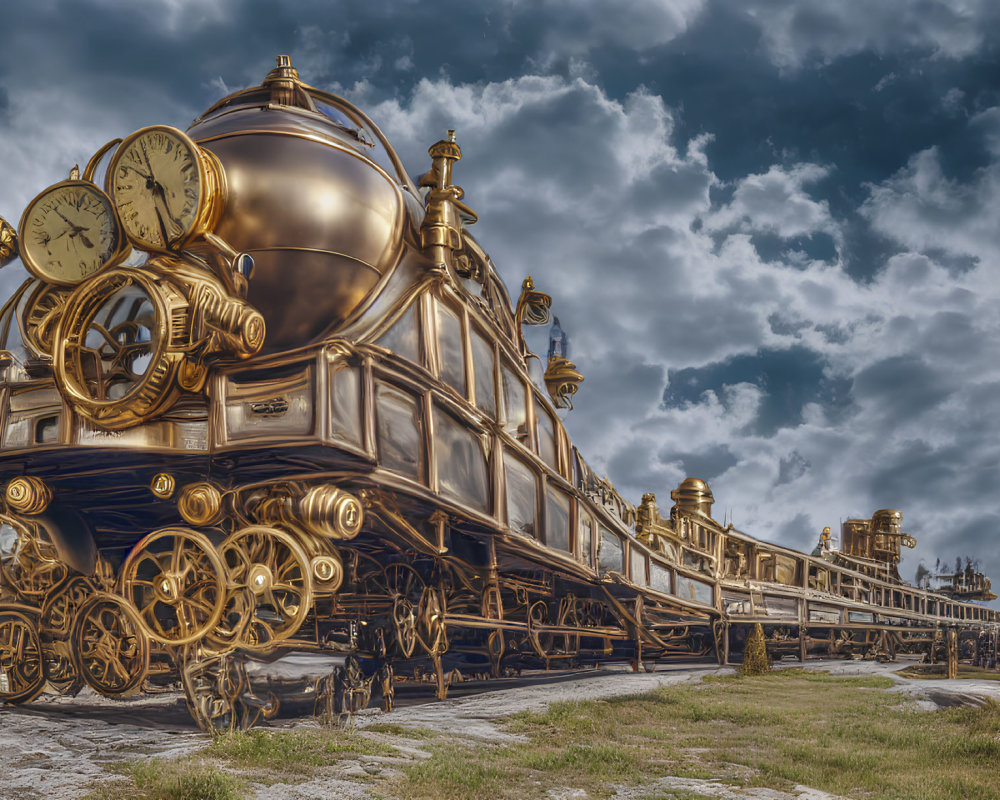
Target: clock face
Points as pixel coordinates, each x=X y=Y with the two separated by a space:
x=156 y=180
x=70 y=232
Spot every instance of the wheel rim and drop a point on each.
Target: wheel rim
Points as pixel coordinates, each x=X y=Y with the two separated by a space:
x=176 y=580
x=110 y=645
x=22 y=677
x=270 y=578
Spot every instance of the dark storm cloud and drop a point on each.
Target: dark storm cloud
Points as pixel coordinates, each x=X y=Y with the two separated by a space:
x=788 y=379
x=706 y=464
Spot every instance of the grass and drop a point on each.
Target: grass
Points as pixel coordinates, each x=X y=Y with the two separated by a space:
x=789 y=727
x=223 y=770
x=163 y=779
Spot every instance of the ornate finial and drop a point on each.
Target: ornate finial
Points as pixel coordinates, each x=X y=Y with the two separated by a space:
x=283 y=81
x=74 y=174
x=532 y=306
x=562 y=380
x=445 y=213
x=8 y=242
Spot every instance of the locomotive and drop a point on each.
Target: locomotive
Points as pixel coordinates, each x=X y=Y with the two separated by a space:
x=264 y=393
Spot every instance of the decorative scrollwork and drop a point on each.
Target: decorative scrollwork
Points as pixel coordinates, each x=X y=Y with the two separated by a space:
x=29 y=561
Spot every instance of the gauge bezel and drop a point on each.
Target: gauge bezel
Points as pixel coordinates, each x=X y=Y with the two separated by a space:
x=208 y=179
x=119 y=247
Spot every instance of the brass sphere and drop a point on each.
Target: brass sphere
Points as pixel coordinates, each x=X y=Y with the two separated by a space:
x=308 y=200
x=163 y=485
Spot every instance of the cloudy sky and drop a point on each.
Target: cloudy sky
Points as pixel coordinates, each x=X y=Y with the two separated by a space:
x=769 y=226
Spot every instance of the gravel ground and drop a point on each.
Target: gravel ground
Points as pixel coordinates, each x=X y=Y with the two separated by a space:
x=58 y=748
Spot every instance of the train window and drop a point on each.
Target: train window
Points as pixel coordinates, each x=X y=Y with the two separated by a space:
x=522 y=494
x=659 y=578
x=515 y=400
x=637 y=566
x=546 y=433
x=451 y=353
x=345 y=405
x=585 y=535
x=403 y=338
x=482 y=360
x=398 y=431
x=461 y=462
x=556 y=519
x=609 y=554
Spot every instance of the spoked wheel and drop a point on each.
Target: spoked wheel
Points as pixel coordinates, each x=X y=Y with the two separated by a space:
x=270 y=578
x=22 y=677
x=29 y=562
x=218 y=692
x=110 y=645
x=177 y=581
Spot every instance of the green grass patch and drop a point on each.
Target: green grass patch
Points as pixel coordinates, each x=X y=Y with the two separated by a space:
x=292 y=751
x=162 y=779
x=794 y=726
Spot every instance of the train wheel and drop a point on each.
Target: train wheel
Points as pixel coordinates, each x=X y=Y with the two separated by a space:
x=177 y=581
x=269 y=567
x=22 y=676
x=110 y=645
x=29 y=562
x=218 y=692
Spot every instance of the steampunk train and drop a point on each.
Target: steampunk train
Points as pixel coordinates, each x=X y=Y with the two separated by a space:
x=264 y=393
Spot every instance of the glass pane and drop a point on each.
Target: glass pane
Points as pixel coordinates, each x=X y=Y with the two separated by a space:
x=659 y=578
x=397 y=430
x=403 y=338
x=609 y=558
x=522 y=489
x=482 y=360
x=345 y=404
x=547 y=449
x=637 y=565
x=556 y=519
x=585 y=535
x=514 y=399
x=461 y=462
x=450 y=350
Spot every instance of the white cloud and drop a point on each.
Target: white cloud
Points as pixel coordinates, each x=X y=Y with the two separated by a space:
x=776 y=202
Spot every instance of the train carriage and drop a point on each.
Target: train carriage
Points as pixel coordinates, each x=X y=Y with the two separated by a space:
x=265 y=393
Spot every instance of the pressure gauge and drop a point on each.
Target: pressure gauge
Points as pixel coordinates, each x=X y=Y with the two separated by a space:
x=166 y=188
x=70 y=232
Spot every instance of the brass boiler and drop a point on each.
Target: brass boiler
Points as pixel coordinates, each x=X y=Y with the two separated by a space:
x=308 y=200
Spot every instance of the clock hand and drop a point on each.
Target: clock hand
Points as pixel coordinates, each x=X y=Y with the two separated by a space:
x=138 y=172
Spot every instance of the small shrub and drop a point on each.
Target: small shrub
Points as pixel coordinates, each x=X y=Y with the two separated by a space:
x=755 y=653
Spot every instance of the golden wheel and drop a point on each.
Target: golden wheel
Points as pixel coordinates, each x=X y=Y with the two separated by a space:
x=177 y=581
x=269 y=576
x=218 y=692
x=29 y=562
x=22 y=677
x=109 y=644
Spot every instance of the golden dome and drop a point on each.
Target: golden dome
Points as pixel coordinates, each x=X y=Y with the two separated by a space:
x=693 y=496
x=314 y=193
